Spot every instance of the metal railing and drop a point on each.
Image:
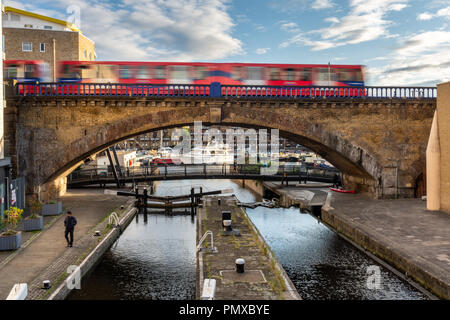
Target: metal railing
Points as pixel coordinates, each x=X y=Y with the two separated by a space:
x=218 y=90
x=204 y=170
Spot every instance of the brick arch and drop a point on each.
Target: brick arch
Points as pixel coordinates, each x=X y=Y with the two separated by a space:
x=362 y=140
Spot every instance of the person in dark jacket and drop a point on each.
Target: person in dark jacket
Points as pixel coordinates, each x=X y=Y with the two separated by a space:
x=336 y=181
x=69 y=223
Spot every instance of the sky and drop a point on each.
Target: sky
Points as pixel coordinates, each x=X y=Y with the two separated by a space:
x=400 y=42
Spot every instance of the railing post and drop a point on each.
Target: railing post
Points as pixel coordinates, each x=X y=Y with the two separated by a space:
x=215 y=90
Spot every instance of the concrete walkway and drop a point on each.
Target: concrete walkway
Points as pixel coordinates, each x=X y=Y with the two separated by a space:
x=88 y=206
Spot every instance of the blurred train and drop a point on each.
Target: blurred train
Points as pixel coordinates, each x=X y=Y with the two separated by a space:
x=187 y=73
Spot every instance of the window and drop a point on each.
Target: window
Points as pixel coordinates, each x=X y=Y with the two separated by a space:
x=48 y=27
x=29 y=71
x=237 y=73
x=289 y=74
x=179 y=72
x=85 y=54
x=274 y=74
x=10 y=72
x=345 y=75
x=305 y=74
x=14 y=17
x=201 y=73
x=124 y=72
x=358 y=75
x=42 y=47
x=160 y=72
x=90 y=56
x=254 y=73
x=28 y=25
x=27 y=46
x=142 y=73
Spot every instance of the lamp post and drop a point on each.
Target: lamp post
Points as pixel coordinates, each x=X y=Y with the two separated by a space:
x=329 y=73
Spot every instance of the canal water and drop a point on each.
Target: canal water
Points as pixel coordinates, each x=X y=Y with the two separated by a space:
x=155 y=257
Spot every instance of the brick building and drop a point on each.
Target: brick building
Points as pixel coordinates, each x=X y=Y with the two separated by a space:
x=30 y=36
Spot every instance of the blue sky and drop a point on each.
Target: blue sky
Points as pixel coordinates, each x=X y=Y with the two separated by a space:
x=401 y=42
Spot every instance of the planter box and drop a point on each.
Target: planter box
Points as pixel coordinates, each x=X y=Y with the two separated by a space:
x=11 y=242
x=33 y=224
x=52 y=209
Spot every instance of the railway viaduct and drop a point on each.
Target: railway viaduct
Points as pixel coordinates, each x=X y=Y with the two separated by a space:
x=377 y=143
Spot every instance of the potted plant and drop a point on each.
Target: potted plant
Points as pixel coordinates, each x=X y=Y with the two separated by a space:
x=11 y=239
x=53 y=207
x=35 y=221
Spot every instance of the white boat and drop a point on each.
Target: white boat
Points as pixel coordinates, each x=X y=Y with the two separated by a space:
x=210 y=154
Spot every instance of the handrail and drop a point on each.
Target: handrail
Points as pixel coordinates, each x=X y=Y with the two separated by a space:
x=113 y=218
x=218 y=90
x=203 y=238
x=201 y=169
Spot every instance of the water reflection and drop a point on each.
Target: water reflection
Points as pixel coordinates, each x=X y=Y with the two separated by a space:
x=155 y=258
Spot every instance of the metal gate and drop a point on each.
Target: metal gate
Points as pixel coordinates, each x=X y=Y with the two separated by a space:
x=18 y=193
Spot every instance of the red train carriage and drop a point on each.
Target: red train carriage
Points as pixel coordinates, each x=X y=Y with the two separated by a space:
x=206 y=73
x=26 y=71
x=228 y=74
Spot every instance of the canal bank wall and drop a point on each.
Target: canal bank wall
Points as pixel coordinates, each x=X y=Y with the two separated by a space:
x=264 y=277
x=92 y=256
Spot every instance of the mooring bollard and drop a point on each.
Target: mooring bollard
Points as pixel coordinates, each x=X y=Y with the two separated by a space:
x=46 y=284
x=240 y=264
x=226 y=216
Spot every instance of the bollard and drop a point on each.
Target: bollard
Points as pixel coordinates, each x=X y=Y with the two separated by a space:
x=46 y=284
x=227 y=225
x=240 y=263
x=226 y=215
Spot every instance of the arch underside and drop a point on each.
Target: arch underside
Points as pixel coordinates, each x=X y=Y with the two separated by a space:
x=344 y=164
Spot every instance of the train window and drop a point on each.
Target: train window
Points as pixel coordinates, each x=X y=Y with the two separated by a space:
x=201 y=73
x=10 y=72
x=124 y=72
x=358 y=75
x=160 y=72
x=323 y=74
x=29 y=71
x=254 y=73
x=274 y=74
x=289 y=75
x=142 y=72
x=237 y=73
x=345 y=74
x=71 y=72
x=179 y=72
x=305 y=74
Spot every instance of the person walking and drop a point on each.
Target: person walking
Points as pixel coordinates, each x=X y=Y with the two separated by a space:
x=69 y=222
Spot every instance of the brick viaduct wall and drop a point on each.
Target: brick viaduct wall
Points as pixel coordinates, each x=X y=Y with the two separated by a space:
x=378 y=145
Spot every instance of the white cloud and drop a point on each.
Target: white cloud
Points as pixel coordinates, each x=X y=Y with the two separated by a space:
x=262 y=50
x=332 y=20
x=424 y=16
x=366 y=21
x=444 y=12
x=322 y=4
x=421 y=59
x=290 y=27
x=180 y=30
